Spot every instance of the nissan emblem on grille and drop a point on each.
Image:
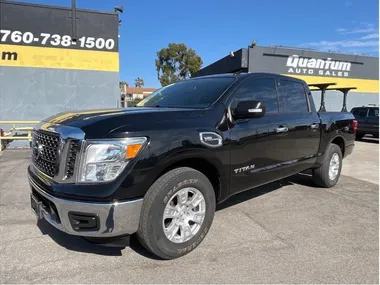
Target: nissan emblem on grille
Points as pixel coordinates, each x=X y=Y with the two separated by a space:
x=45 y=151
x=40 y=149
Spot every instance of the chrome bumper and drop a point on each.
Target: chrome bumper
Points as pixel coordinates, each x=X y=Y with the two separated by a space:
x=112 y=219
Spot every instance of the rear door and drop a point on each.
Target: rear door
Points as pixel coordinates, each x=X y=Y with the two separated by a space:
x=302 y=121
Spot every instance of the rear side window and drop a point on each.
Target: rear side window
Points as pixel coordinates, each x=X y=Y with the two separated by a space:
x=373 y=113
x=292 y=97
x=258 y=89
x=360 y=113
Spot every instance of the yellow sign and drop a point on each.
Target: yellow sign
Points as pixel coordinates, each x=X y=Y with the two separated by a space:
x=45 y=57
x=362 y=85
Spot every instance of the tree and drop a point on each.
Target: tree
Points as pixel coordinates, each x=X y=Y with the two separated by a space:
x=139 y=82
x=176 y=62
x=122 y=83
x=133 y=102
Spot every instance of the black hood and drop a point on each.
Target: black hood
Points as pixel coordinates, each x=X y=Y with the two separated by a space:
x=106 y=121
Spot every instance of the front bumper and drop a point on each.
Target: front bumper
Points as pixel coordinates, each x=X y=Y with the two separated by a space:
x=85 y=218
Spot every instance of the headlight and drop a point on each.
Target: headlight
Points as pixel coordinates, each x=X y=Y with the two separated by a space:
x=103 y=161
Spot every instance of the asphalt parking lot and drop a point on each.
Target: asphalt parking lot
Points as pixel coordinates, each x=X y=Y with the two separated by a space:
x=285 y=232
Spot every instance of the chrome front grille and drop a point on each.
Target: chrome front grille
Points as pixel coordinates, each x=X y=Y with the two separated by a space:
x=71 y=158
x=56 y=151
x=45 y=151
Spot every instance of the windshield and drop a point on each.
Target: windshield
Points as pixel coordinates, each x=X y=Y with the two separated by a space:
x=194 y=93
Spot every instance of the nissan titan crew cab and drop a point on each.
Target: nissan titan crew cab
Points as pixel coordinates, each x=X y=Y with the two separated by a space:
x=160 y=168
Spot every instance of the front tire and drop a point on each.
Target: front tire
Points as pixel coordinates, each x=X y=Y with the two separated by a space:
x=328 y=174
x=177 y=213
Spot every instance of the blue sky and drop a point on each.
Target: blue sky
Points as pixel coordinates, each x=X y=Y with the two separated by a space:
x=215 y=27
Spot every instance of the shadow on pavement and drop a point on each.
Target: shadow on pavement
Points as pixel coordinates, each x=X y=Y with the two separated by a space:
x=136 y=246
x=108 y=247
x=301 y=179
x=369 y=140
x=111 y=248
x=76 y=243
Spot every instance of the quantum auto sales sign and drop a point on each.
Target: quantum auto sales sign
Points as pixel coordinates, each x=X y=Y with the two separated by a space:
x=321 y=67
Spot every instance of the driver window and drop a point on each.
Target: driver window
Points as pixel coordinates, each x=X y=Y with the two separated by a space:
x=258 y=89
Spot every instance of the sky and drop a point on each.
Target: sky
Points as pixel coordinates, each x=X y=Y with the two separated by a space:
x=213 y=28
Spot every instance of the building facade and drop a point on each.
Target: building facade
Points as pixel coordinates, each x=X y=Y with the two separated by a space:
x=130 y=94
x=50 y=63
x=343 y=70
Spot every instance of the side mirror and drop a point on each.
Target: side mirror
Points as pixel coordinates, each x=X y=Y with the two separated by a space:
x=249 y=109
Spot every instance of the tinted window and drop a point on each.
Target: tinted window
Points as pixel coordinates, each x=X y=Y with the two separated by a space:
x=263 y=90
x=360 y=113
x=194 y=93
x=373 y=113
x=292 y=97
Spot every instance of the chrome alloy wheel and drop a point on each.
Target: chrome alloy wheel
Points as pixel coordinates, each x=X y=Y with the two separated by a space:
x=184 y=214
x=334 y=166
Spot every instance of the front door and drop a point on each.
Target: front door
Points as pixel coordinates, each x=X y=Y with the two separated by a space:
x=260 y=147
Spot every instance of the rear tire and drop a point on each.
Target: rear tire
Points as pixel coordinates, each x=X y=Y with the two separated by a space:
x=328 y=174
x=174 y=195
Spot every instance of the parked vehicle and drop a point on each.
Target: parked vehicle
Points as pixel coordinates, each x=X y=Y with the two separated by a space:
x=368 y=121
x=160 y=168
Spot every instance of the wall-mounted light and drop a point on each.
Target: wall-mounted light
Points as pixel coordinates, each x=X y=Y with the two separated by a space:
x=119 y=9
x=253 y=44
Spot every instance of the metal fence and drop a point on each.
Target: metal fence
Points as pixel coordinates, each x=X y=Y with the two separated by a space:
x=9 y=136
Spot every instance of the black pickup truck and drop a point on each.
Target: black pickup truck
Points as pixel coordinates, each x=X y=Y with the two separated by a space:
x=368 y=121
x=160 y=168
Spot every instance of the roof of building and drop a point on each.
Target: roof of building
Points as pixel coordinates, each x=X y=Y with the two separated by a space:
x=137 y=90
